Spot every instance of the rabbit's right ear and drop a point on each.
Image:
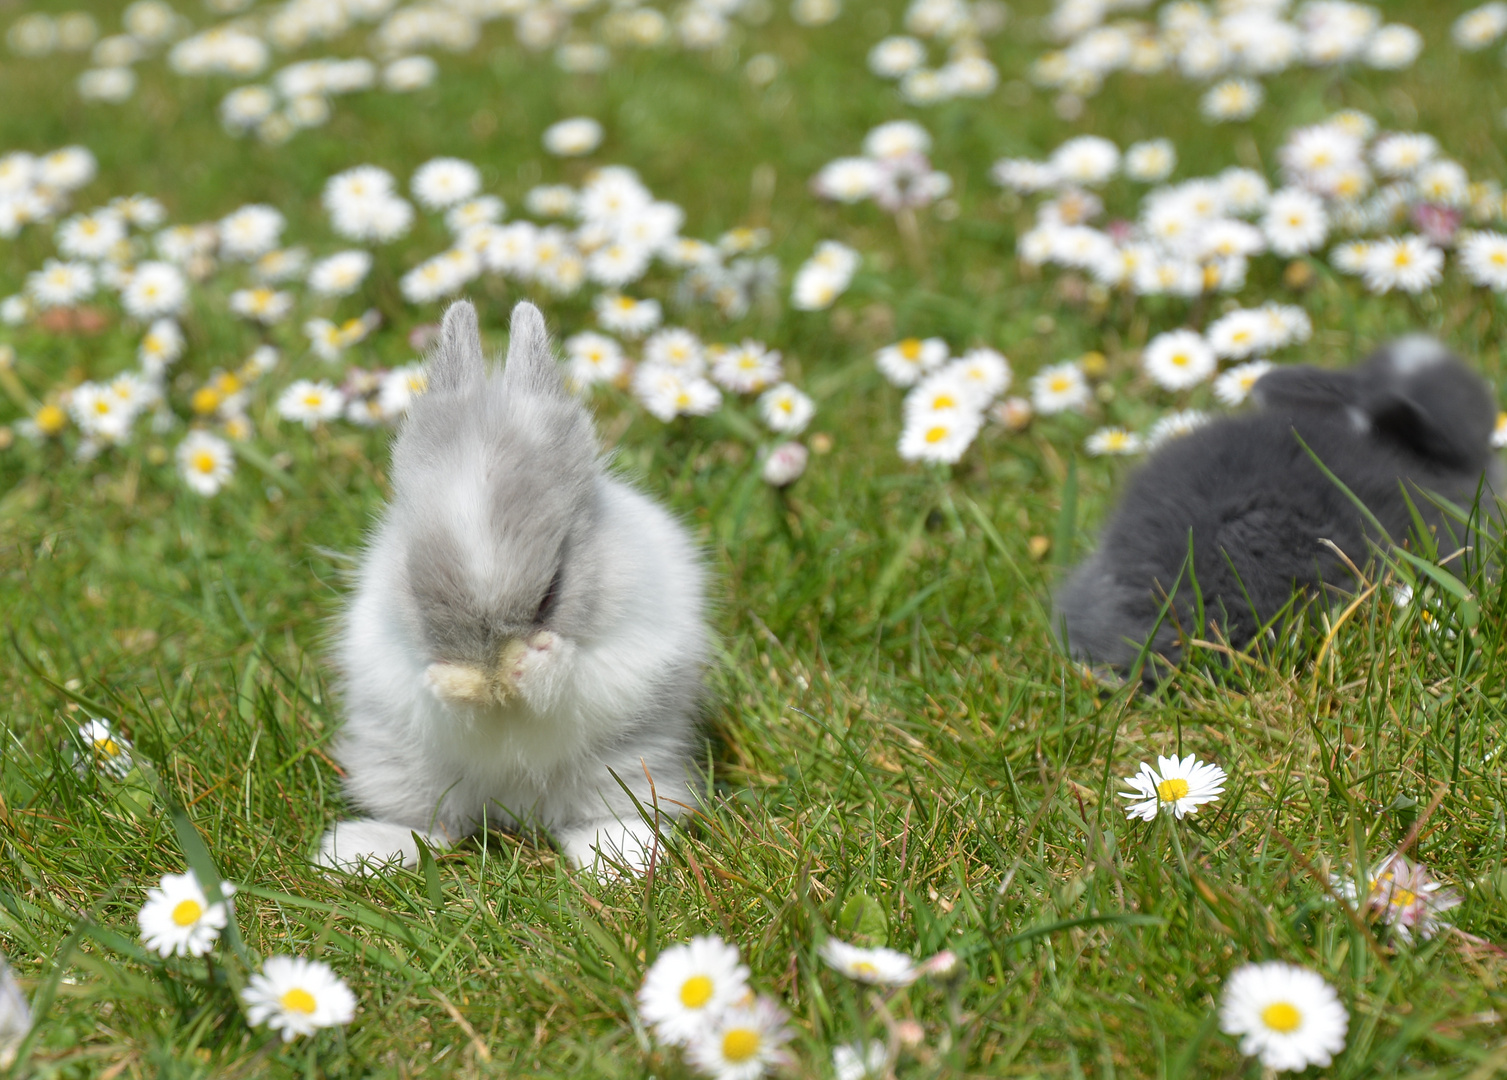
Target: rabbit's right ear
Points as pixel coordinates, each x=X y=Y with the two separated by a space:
x=531 y=362
x=457 y=363
x=1307 y=387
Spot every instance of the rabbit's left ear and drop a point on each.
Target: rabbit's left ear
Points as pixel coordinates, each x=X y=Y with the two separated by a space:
x=531 y=362
x=1311 y=387
x=1405 y=418
x=457 y=363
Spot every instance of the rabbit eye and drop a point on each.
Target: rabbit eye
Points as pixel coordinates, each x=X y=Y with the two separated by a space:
x=550 y=595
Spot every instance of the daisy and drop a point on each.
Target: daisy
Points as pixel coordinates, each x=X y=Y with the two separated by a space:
x=205 y=462
x=941 y=392
x=1404 y=895
x=109 y=752
x=1480 y=27
x=1113 y=441
x=1443 y=182
x=154 y=289
x=408 y=73
x=618 y=264
x=859 y=1062
x=593 y=358
x=816 y=287
x=483 y=210
x=625 y=315
x=297 y=997
x=877 y=966
x=786 y=410
x=1242 y=191
x=60 y=284
x=178 y=920
x=667 y=394
x=310 y=403
x=1235 y=385
x=1409 y=263
x=245 y=107
x=984 y=373
x=1178 y=360
x=896 y=139
x=896 y=56
x=1294 y=222
x=689 y=985
x=91 y=236
x=250 y=232
x=400 y=387
x=1498 y=433
x=1087 y=160
x=785 y=464
x=907 y=360
x=1179 y=785
x=284 y=264
x=747 y=368
x=743 y=1043
x=1403 y=154
x=161 y=346
x=1150 y=162
x=939 y=436
x=261 y=304
x=1394 y=47
x=1351 y=257
x=1286 y=1015
x=573 y=138
x=1059 y=388
x=551 y=201
x=1239 y=334
x=1483 y=255
x=1024 y=177
x=1233 y=99
x=1174 y=426
x=67 y=169
x=340 y=274
x=443 y=182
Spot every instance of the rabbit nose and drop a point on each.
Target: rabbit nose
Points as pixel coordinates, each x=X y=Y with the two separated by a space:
x=463 y=684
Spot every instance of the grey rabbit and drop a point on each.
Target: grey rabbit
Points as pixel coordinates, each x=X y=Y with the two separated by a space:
x=526 y=641
x=1411 y=417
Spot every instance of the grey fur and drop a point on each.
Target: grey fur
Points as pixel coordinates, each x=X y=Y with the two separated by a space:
x=1411 y=417
x=525 y=625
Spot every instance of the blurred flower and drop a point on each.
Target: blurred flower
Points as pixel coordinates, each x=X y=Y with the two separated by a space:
x=206 y=462
x=879 y=966
x=785 y=464
x=573 y=138
x=1403 y=894
x=744 y=1042
x=1287 y=1016
x=177 y=918
x=689 y=985
x=108 y=752
x=297 y=997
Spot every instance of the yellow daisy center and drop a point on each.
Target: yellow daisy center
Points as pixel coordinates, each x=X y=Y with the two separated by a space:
x=1498 y=258
x=1402 y=258
x=1402 y=897
x=1281 y=1016
x=298 y=1000
x=936 y=434
x=626 y=303
x=50 y=419
x=204 y=462
x=1172 y=789
x=863 y=967
x=696 y=991
x=107 y=746
x=1060 y=384
x=1180 y=359
x=187 y=912
x=910 y=348
x=205 y=400
x=943 y=401
x=102 y=406
x=740 y=1044
x=313 y=400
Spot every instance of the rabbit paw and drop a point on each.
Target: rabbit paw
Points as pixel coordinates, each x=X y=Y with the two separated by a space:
x=366 y=845
x=610 y=849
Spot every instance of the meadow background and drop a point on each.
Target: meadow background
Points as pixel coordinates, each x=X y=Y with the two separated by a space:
x=890 y=730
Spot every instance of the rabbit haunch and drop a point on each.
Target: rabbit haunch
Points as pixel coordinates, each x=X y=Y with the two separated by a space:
x=526 y=641
x=1410 y=422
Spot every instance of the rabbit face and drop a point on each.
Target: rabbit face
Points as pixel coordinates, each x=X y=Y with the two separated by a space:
x=495 y=499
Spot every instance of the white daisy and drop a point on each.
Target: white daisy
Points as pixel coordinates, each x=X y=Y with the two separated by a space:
x=1483 y=256
x=160 y=346
x=939 y=436
x=91 y=236
x=250 y=232
x=984 y=373
x=177 y=919
x=108 y=751
x=442 y=182
x=1179 y=359
x=593 y=358
x=896 y=139
x=1150 y=162
x=261 y=304
x=1404 y=895
x=573 y=138
x=1409 y=263
x=1059 y=388
x=667 y=393
x=1403 y=154
x=907 y=360
x=1294 y=222
x=1286 y=1015
x=897 y=56
x=60 y=284
x=206 y=462
x=689 y=985
x=859 y=1062
x=747 y=368
x=482 y=210
x=785 y=464
x=1394 y=47
x=1233 y=99
x=297 y=997
x=284 y=264
x=1088 y=160
x=1114 y=441
x=743 y=1043
x=1235 y=385
x=1180 y=785
x=1174 y=426
x=1243 y=191
x=877 y=966
x=1480 y=27
x=154 y=289
x=1239 y=334
x=786 y=410
x=625 y=315
x=941 y=392
x=310 y=403
x=340 y=274
x=408 y=73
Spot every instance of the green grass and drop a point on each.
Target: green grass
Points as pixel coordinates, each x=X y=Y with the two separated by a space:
x=888 y=717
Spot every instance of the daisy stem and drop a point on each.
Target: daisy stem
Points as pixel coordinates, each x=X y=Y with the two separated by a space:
x=910 y=237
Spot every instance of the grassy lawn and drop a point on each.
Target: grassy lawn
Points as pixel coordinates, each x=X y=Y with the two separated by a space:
x=895 y=748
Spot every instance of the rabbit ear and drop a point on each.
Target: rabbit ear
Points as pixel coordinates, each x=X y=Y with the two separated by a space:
x=531 y=362
x=1288 y=387
x=457 y=363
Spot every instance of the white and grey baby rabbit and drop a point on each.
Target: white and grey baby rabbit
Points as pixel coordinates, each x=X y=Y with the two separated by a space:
x=527 y=638
x=1411 y=417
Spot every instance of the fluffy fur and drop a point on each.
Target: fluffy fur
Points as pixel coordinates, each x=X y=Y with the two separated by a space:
x=1411 y=418
x=526 y=639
